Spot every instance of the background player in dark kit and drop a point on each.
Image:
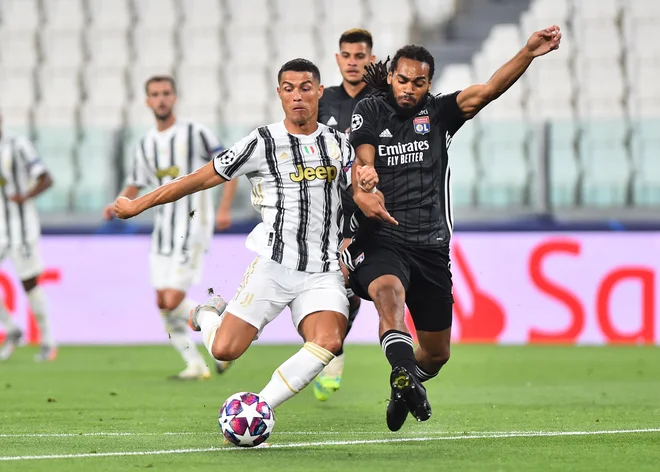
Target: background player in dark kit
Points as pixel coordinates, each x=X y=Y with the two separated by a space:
x=335 y=110
x=400 y=254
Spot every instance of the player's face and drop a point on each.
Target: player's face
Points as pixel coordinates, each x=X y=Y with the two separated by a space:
x=351 y=59
x=410 y=82
x=300 y=93
x=161 y=99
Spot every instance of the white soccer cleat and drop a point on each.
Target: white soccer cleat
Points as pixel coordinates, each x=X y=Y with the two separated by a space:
x=12 y=341
x=46 y=354
x=215 y=303
x=194 y=372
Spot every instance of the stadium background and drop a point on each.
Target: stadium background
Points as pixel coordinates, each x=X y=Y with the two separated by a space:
x=556 y=186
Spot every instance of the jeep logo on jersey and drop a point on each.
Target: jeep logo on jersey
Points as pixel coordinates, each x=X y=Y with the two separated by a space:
x=172 y=171
x=328 y=173
x=422 y=124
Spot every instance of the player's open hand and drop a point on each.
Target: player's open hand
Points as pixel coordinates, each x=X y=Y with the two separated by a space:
x=367 y=178
x=125 y=208
x=373 y=206
x=544 y=41
x=18 y=198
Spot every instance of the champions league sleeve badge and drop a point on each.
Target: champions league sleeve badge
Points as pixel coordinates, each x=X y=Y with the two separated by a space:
x=422 y=125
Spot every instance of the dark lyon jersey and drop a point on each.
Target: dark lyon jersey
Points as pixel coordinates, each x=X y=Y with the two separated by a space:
x=412 y=164
x=336 y=107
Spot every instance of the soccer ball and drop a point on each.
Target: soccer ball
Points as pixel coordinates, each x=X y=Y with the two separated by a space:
x=246 y=419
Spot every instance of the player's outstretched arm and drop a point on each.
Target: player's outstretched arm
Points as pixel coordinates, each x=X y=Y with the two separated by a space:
x=202 y=179
x=474 y=98
x=371 y=204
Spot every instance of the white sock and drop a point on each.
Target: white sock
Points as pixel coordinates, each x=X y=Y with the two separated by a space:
x=176 y=323
x=38 y=305
x=209 y=321
x=294 y=375
x=5 y=320
x=335 y=367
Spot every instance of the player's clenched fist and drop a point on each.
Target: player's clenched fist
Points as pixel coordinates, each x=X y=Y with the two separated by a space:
x=367 y=178
x=125 y=208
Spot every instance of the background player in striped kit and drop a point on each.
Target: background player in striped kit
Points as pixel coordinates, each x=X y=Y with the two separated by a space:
x=183 y=229
x=296 y=168
x=23 y=176
x=335 y=110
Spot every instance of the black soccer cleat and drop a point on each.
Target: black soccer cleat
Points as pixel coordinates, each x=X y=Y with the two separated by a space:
x=407 y=389
x=397 y=412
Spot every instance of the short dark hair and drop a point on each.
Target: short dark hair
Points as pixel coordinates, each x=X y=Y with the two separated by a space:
x=416 y=53
x=300 y=65
x=357 y=35
x=159 y=78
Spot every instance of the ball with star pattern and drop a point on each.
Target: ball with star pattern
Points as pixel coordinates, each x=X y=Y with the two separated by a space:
x=246 y=419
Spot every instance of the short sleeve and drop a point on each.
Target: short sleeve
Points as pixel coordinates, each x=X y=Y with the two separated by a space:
x=30 y=158
x=209 y=143
x=364 y=122
x=242 y=158
x=449 y=112
x=139 y=175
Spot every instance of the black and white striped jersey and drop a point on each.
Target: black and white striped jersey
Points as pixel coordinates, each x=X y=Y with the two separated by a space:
x=20 y=166
x=162 y=156
x=296 y=186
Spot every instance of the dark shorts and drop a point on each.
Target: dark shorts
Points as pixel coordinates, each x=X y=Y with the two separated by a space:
x=424 y=272
x=349 y=207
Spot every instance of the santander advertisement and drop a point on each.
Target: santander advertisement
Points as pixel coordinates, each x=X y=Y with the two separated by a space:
x=509 y=288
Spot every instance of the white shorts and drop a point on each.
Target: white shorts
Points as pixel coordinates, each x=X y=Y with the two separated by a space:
x=177 y=271
x=269 y=287
x=26 y=260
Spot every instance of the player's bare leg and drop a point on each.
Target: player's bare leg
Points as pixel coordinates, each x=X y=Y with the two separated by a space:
x=37 y=300
x=329 y=380
x=408 y=394
x=323 y=333
x=14 y=334
x=175 y=309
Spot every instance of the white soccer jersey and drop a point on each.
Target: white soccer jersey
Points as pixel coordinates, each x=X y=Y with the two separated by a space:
x=20 y=166
x=162 y=156
x=296 y=186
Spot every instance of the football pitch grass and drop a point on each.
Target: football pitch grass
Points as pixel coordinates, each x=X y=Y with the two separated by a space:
x=494 y=408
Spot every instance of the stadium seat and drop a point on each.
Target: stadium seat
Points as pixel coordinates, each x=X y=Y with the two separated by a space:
x=432 y=14
x=104 y=86
x=298 y=43
x=19 y=15
x=200 y=86
x=642 y=8
x=17 y=88
x=156 y=14
x=17 y=50
x=387 y=40
x=644 y=96
x=543 y=13
x=108 y=48
x=563 y=164
x=138 y=115
x=200 y=48
x=48 y=116
x=296 y=13
x=243 y=115
x=154 y=47
x=646 y=149
x=62 y=49
x=96 y=186
x=607 y=168
x=505 y=165
x=205 y=15
x=330 y=74
x=390 y=13
x=253 y=15
x=597 y=9
x=55 y=144
x=340 y=15
x=102 y=116
x=206 y=114
x=64 y=15
x=59 y=87
x=453 y=77
x=109 y=16
x=246 y=47
x=464 y=172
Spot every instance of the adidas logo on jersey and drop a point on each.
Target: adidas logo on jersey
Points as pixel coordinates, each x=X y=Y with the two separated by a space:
x=332 y=121
x=386 y=134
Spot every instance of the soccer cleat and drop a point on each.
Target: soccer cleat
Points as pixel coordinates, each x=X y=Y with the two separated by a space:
x=408 y=392
x=324 y=386
x=12 y=341
x=215 y=303
x=222 y=366
x=46 y=354
x=193 y=372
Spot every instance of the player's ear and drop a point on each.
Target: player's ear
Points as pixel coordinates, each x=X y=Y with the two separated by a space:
x=321 y=89
x=372 y=59
x=389 y=78
x=337 y=56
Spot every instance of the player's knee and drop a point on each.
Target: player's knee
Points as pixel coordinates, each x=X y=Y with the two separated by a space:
x=439 y=359
x=329 y=342
x=387 y=293
x=226 y=352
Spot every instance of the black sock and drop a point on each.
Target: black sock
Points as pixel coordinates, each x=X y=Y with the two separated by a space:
x=398 y=348
x=423 y=375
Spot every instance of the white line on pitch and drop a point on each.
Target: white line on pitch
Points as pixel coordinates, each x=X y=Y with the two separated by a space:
x=334 y=443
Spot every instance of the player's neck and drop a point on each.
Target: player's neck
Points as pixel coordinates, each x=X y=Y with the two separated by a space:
x=306 y=128
x=162 y=125
x=353 y=90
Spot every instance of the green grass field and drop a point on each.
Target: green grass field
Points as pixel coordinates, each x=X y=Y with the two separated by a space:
x=494 y=408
